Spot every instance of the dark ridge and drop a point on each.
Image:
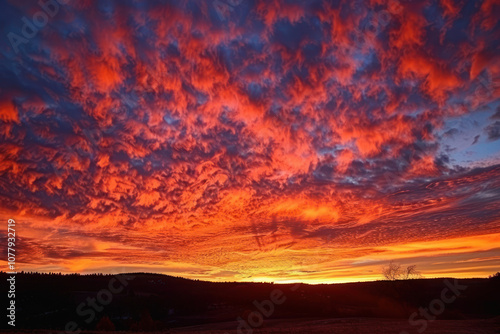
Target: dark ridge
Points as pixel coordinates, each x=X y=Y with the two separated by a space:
x=143 y=301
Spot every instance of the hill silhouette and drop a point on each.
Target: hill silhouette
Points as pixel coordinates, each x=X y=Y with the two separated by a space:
x=142 y=301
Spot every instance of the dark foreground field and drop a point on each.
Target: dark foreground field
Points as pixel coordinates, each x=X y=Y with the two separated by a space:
x=353 y=326
x=333 y=326
x=51 y=303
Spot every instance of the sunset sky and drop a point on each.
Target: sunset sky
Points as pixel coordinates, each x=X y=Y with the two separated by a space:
x=244 y=140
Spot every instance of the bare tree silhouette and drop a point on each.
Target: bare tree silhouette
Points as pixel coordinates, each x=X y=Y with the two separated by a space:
x=393 y=271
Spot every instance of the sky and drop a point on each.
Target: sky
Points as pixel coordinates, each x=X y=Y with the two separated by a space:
x=242 y=140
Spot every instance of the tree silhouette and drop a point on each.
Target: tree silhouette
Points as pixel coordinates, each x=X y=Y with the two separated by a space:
x=145 y=324
x=411 y=272
x=105 y=324
x=394 y=271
